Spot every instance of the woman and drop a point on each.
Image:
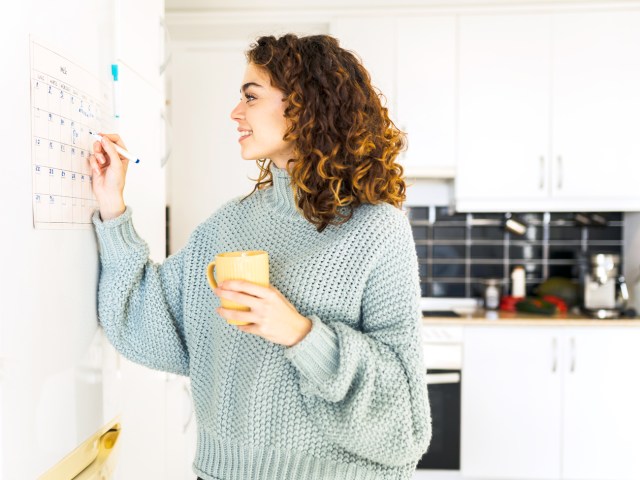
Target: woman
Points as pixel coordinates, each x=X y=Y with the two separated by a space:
x=327 y=380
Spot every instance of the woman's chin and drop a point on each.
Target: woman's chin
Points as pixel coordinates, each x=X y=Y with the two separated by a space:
x=247 y=156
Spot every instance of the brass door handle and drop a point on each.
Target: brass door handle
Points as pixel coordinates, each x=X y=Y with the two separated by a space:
x=91 y=459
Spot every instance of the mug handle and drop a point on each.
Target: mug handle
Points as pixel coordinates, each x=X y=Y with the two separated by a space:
x=210 y=269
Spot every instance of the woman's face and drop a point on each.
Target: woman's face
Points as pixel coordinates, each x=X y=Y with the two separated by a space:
x=260 y=117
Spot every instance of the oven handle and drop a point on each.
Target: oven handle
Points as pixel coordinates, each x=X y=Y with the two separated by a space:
x=441 y=378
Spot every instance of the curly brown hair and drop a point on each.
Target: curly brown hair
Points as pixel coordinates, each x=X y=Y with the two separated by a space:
x=344 y=143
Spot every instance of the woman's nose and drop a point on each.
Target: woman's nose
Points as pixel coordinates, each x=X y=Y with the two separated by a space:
x=238 y=112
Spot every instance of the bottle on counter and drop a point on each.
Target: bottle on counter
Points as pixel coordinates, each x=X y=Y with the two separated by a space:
x=518 y=289
x=492 y=294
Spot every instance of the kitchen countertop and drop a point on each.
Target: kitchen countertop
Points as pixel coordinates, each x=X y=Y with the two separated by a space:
x=489 y=317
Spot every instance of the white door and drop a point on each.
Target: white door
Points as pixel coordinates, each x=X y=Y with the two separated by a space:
x=601 y=404
x=426 y=96
x=504 y=94
x=511 y=402
x=140 y=36
x=596 y=106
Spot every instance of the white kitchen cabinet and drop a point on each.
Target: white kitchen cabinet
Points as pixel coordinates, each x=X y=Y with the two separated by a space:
x=412 y=62
x=426 y=94
x=504 y=91
x=511 y=403
x=373 y=40
x=551 y=402
x=142 y=441
x=601 y=395
x=180 y=429
x=547 y=104
x=596 y=106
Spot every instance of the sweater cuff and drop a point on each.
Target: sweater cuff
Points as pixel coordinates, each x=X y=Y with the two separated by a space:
x=316 y=356
x=115 y=236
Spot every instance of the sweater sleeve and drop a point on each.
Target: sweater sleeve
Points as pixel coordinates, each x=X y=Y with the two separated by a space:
x=367 y=390
x=140 y=302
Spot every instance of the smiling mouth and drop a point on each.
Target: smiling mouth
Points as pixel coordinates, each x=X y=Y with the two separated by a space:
x=245 y=133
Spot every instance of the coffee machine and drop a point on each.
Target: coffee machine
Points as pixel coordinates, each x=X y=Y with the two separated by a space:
x=605 y=293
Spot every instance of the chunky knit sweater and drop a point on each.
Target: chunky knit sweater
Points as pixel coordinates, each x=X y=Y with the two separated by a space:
x=348 y=402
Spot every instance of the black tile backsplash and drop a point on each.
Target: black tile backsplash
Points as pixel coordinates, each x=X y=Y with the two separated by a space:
x=450 y=251
x=449 y=270
x=457 y=251
x=449 y=233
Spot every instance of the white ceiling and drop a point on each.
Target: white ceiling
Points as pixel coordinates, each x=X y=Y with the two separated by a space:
x=234 y=5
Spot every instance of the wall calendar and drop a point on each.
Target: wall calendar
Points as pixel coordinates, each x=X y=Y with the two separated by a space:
x=67 y=102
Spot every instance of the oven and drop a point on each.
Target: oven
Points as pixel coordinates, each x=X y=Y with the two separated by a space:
x=442 y=346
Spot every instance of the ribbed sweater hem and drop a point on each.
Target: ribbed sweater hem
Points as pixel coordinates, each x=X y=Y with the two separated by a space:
x=317 y=356
x=222 y=460
x=120 y=233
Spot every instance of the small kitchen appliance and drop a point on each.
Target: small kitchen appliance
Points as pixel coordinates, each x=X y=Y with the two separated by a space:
x=605 y=293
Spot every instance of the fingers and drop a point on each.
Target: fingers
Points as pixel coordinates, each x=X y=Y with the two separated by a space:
x=115 y=138
x=248 y=288
x=237 y=315
x=238 y=297
x=98 y=163
x=116 y=160
x=93 y=162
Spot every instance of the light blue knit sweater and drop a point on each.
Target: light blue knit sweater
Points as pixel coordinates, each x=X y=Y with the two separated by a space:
x=348 y=402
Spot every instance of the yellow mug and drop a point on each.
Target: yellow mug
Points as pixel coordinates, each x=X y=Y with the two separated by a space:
x=252 y=266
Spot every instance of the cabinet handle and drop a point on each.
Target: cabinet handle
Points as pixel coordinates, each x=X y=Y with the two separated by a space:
x=559 y=172
x=554 y=366
x=187 y=393
x=541 y=173
x=165 y=59
x=166 y=127
x=572 y=368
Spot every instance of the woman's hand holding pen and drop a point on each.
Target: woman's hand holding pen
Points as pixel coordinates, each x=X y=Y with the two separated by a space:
x=271 y=317
x=108 y=175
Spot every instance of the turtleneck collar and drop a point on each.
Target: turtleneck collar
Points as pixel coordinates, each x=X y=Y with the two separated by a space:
x=279 y=196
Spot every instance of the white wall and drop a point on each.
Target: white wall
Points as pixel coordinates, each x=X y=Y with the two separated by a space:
x=205 y=168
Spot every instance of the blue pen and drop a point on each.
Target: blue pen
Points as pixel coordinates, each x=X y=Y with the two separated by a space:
x=119 y=149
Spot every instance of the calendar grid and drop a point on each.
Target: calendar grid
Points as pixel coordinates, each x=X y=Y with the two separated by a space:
x=67 y=103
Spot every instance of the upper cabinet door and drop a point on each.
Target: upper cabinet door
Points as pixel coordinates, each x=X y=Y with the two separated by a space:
x=372 y=40
x=140 y=38
x=596 y=103
x=504 y=97
x=601 y=398
x=427 y=94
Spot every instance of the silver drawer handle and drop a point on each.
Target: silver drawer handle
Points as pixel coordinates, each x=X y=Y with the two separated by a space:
x=573 y=355
x=559 y=172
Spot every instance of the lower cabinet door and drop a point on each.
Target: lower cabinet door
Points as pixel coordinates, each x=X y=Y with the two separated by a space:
x=601 y=404
x=511 y=402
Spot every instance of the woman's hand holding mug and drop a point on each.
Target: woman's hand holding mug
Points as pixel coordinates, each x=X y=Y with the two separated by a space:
x=108 y=175
x=270 y=316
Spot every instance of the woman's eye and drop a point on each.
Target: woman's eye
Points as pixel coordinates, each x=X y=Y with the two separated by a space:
x=249 y=97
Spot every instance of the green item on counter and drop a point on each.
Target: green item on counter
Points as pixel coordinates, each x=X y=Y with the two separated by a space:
x=536 y=305
x=560 y=287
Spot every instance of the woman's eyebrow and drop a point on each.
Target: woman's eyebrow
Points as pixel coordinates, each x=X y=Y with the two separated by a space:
x=250 y=84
